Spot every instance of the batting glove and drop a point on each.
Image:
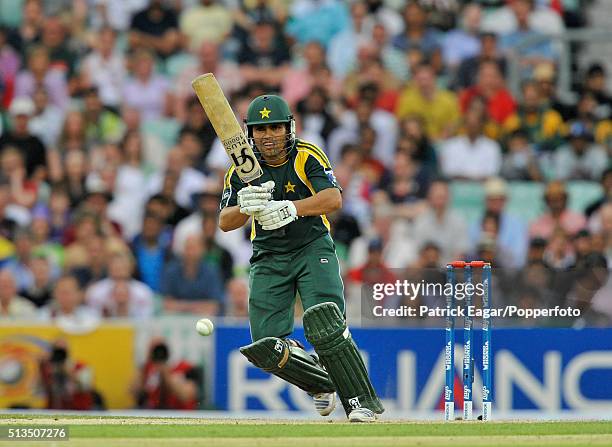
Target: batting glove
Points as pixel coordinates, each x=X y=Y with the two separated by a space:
x=253 y=199
x=277 y=213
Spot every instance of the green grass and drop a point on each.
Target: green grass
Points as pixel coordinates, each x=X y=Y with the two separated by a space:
x=167 y=432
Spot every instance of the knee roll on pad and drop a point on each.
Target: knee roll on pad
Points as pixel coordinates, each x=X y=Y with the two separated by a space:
x=289 y=362
x=325 y=328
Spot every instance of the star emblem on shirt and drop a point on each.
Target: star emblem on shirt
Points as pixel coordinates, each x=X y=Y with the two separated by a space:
x=289 y=187
x=265 y=113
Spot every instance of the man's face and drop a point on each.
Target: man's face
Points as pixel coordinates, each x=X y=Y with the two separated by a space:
x=496 y=203
x=67 y=294
x=270 y=140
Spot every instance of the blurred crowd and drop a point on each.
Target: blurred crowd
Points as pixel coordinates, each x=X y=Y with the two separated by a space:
x=111 y=173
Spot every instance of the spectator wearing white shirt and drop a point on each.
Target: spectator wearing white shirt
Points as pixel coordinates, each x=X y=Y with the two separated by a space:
x=11 y=304
x=104 y=68
x=66 y=306
x=580 y=158
x=47 y=121
x=471 y=156
x=101 y=296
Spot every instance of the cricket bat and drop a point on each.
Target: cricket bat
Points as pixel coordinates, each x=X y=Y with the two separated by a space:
x=227 y=127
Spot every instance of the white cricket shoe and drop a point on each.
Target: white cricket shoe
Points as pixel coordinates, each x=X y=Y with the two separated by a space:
x=325 y=403
x=362 y=415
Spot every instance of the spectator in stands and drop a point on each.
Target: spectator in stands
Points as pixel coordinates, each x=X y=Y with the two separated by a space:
x=316 y=115
x=47 y=119
x=59 y=211
x=152 y=250
x=180 y=180
x=237 y=298
x=209 y=61
x=9 y=217
x=393 y=59
x=207 y=21
x=39 y=291
x=54 y=39
x=144 y=89
x=407 y=184
x=101 y=125
x=216 y=254
x=543 y=124
x=542 y=18
x=72 y=136
x=314 y=21
x=24 y=191
x=342 y=51
x=511 y=236
x=96 y=267
x=596 y=84
x=20 y=266
x=190 y=284
x=155 y=28
x=11 y=304
x=417 y=34
x=520 y=162
x=352 y=123
x=441 y=224
x=490 y=86
x=438 y=108
x=484 y=155
x=606 y=187
x=557 y=214
x=44 y=245
x=467 y=72
x=163 y=386
x=74 y=176
x=66 y=307
x=30 y=29
x=463 y=42
x=264 y=57
x=40 y=72
x=591 y=293
x=104 y=68
x=580 y=158
x=544 y=74
x=298 y=82
x=534 y=53
x=101 y=297
x=20 y=137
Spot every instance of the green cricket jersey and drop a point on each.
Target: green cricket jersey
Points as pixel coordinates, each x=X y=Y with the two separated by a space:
x=306 y=172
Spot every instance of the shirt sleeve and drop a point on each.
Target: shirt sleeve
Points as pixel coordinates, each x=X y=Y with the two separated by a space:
x=320 y=173
x=231 y=185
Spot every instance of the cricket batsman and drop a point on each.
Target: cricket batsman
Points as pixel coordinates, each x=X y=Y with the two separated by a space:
x=294 y=252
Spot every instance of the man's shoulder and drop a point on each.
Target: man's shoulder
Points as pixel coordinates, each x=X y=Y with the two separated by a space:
x=312 y=150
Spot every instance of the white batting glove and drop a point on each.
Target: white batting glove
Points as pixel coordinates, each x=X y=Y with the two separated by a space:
x=253 y=199
x=277 y=213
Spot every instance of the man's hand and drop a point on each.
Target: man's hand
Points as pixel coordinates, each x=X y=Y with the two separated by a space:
x=277 y=214
x=253 y=199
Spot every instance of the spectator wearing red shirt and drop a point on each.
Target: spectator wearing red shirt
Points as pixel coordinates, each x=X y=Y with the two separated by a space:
x=490 y=85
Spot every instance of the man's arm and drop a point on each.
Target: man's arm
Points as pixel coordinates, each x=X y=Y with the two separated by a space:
x=323 y=202
x=230 y=218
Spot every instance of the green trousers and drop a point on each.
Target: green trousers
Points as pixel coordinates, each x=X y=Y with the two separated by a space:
x=275 y=279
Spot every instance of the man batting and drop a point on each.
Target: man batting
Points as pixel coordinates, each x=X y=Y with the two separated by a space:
x=294 y=252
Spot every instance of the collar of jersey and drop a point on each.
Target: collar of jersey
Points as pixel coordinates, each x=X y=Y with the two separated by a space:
x=276 y=166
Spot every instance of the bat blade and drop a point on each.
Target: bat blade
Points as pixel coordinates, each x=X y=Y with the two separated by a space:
x=227 y=128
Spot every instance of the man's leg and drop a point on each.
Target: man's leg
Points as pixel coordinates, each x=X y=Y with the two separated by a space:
x=271 y=310
x=321 y=291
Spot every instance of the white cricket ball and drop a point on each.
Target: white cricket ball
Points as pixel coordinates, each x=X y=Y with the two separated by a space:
x=205 y=327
